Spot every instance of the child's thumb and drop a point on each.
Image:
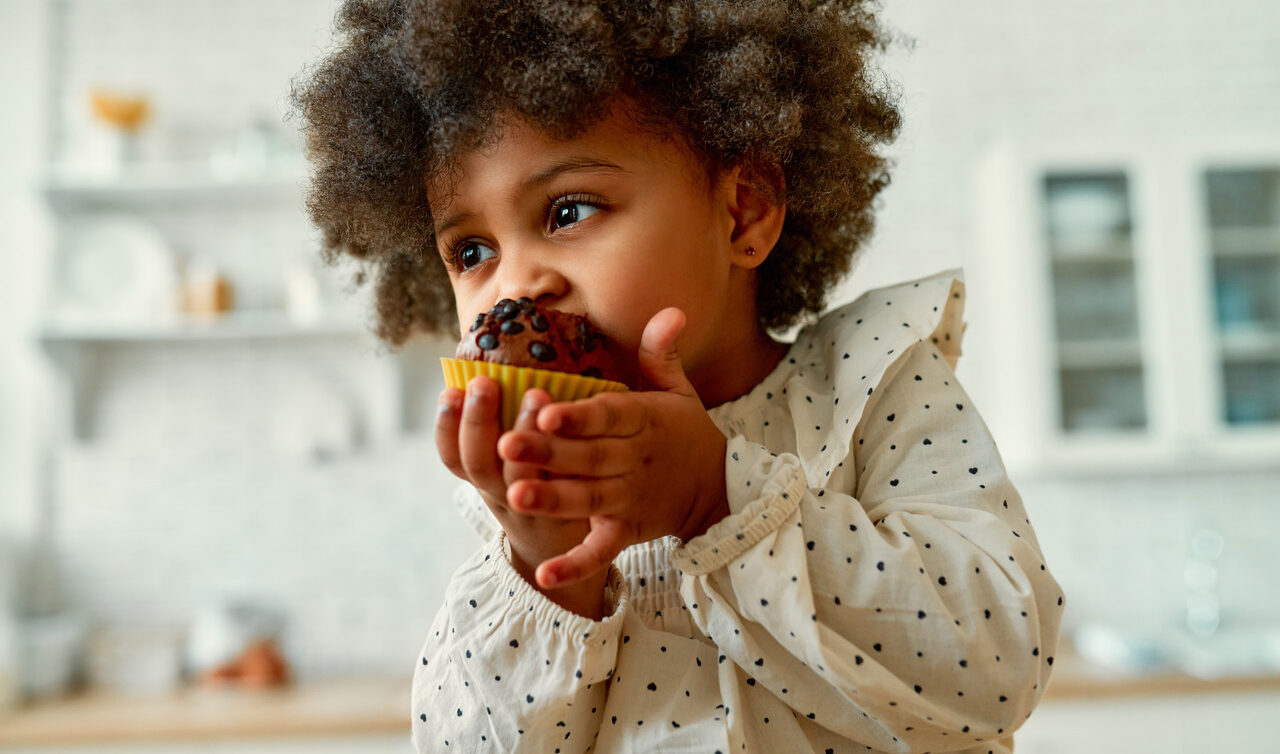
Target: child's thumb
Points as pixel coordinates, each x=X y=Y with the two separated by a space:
x=659 y=359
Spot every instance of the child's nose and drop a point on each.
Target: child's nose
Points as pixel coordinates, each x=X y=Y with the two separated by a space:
x=537 y=280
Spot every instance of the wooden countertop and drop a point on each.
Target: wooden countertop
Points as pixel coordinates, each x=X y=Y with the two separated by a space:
x=358 y=706
x=346 y=707
x=1075 y=678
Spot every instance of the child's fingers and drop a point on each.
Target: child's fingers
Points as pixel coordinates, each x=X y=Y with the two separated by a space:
x=478 y=434
x=526 y=421
x=606 y=414
x=602 y=544
x=447 y=420
x=595 y=457
x=569 y=498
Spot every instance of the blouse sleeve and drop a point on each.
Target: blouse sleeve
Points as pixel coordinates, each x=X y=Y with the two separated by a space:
x=904 y=600
x=505 y=669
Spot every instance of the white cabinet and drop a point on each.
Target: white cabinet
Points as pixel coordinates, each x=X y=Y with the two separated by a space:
x=1138 y=287
x=1243 y=204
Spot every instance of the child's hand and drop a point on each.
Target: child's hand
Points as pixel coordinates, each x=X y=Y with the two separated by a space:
x=636 y=466
x=467 y=432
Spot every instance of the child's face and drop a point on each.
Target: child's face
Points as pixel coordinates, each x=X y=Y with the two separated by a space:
x=614 y=224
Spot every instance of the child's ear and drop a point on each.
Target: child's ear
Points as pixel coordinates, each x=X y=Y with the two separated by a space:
x=756 y=201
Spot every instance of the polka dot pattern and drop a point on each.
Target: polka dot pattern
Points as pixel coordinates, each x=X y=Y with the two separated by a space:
x=877 y=586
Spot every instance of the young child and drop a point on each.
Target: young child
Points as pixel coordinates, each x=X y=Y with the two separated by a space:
x=769 y=547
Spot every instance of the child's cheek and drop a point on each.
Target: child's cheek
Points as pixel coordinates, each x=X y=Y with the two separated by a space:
x=620 y=320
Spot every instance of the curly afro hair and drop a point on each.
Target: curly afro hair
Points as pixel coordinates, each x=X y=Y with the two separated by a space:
x=771 y=85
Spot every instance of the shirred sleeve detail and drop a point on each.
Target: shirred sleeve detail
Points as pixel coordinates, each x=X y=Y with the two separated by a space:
x=506 y=669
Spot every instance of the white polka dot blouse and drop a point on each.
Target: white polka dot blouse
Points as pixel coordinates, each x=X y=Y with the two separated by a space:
x=877 y=586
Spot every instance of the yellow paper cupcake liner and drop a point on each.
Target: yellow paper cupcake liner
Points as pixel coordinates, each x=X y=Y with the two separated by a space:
x=514 y=381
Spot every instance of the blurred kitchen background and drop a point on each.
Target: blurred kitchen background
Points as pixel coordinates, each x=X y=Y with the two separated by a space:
x=208 y=466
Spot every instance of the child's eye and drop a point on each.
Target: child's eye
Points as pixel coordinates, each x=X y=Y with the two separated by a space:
x=472 y=254
x=568 y=210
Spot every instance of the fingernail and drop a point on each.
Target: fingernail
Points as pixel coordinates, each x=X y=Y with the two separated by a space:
x=528 y=501
x=527 y=409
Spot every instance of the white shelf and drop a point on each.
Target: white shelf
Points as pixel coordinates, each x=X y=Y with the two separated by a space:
x=179 y=183
x=1092 y=260
x=236 y=325
x=1066 y=250
x=76 y=346
x=1250 y=346
x=1099 y=353
x=1245 y=242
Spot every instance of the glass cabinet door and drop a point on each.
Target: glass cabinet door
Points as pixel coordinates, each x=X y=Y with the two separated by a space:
x=1089 y=229
x=1244 y=232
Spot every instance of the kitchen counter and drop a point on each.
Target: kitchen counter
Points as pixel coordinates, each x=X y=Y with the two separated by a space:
x=380 y=706
x=1076 y=678
x=345 y=707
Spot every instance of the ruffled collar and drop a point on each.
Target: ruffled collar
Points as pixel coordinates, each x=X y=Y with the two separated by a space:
x=821 y=386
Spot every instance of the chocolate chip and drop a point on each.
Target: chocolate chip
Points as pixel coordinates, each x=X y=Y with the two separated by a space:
x=505 y=309
x=487 y=342
x=587 y=336
x=539 y=323
x=525 y=303
x=593 y=372
x=511 y=327
x=479 y=321
x=541 y=351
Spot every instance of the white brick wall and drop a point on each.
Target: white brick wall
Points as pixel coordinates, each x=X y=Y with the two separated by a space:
x=180 y=497
x=209 y=67
x=23 y=79
x=355 y=552
x=1120 y=548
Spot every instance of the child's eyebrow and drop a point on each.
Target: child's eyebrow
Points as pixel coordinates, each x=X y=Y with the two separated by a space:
x=566 y=165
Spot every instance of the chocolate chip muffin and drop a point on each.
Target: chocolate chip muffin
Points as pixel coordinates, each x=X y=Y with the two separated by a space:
x=522 y=334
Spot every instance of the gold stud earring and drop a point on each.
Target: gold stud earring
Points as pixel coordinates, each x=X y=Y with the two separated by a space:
x=751 y=251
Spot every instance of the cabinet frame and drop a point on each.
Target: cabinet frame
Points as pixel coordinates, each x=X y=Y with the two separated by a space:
x=1186 y=431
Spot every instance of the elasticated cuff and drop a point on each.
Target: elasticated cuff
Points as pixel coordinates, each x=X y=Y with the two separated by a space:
x=764 y=491
x=550 y=617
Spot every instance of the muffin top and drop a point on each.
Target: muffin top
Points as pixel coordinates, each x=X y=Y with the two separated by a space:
x=520 y=333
